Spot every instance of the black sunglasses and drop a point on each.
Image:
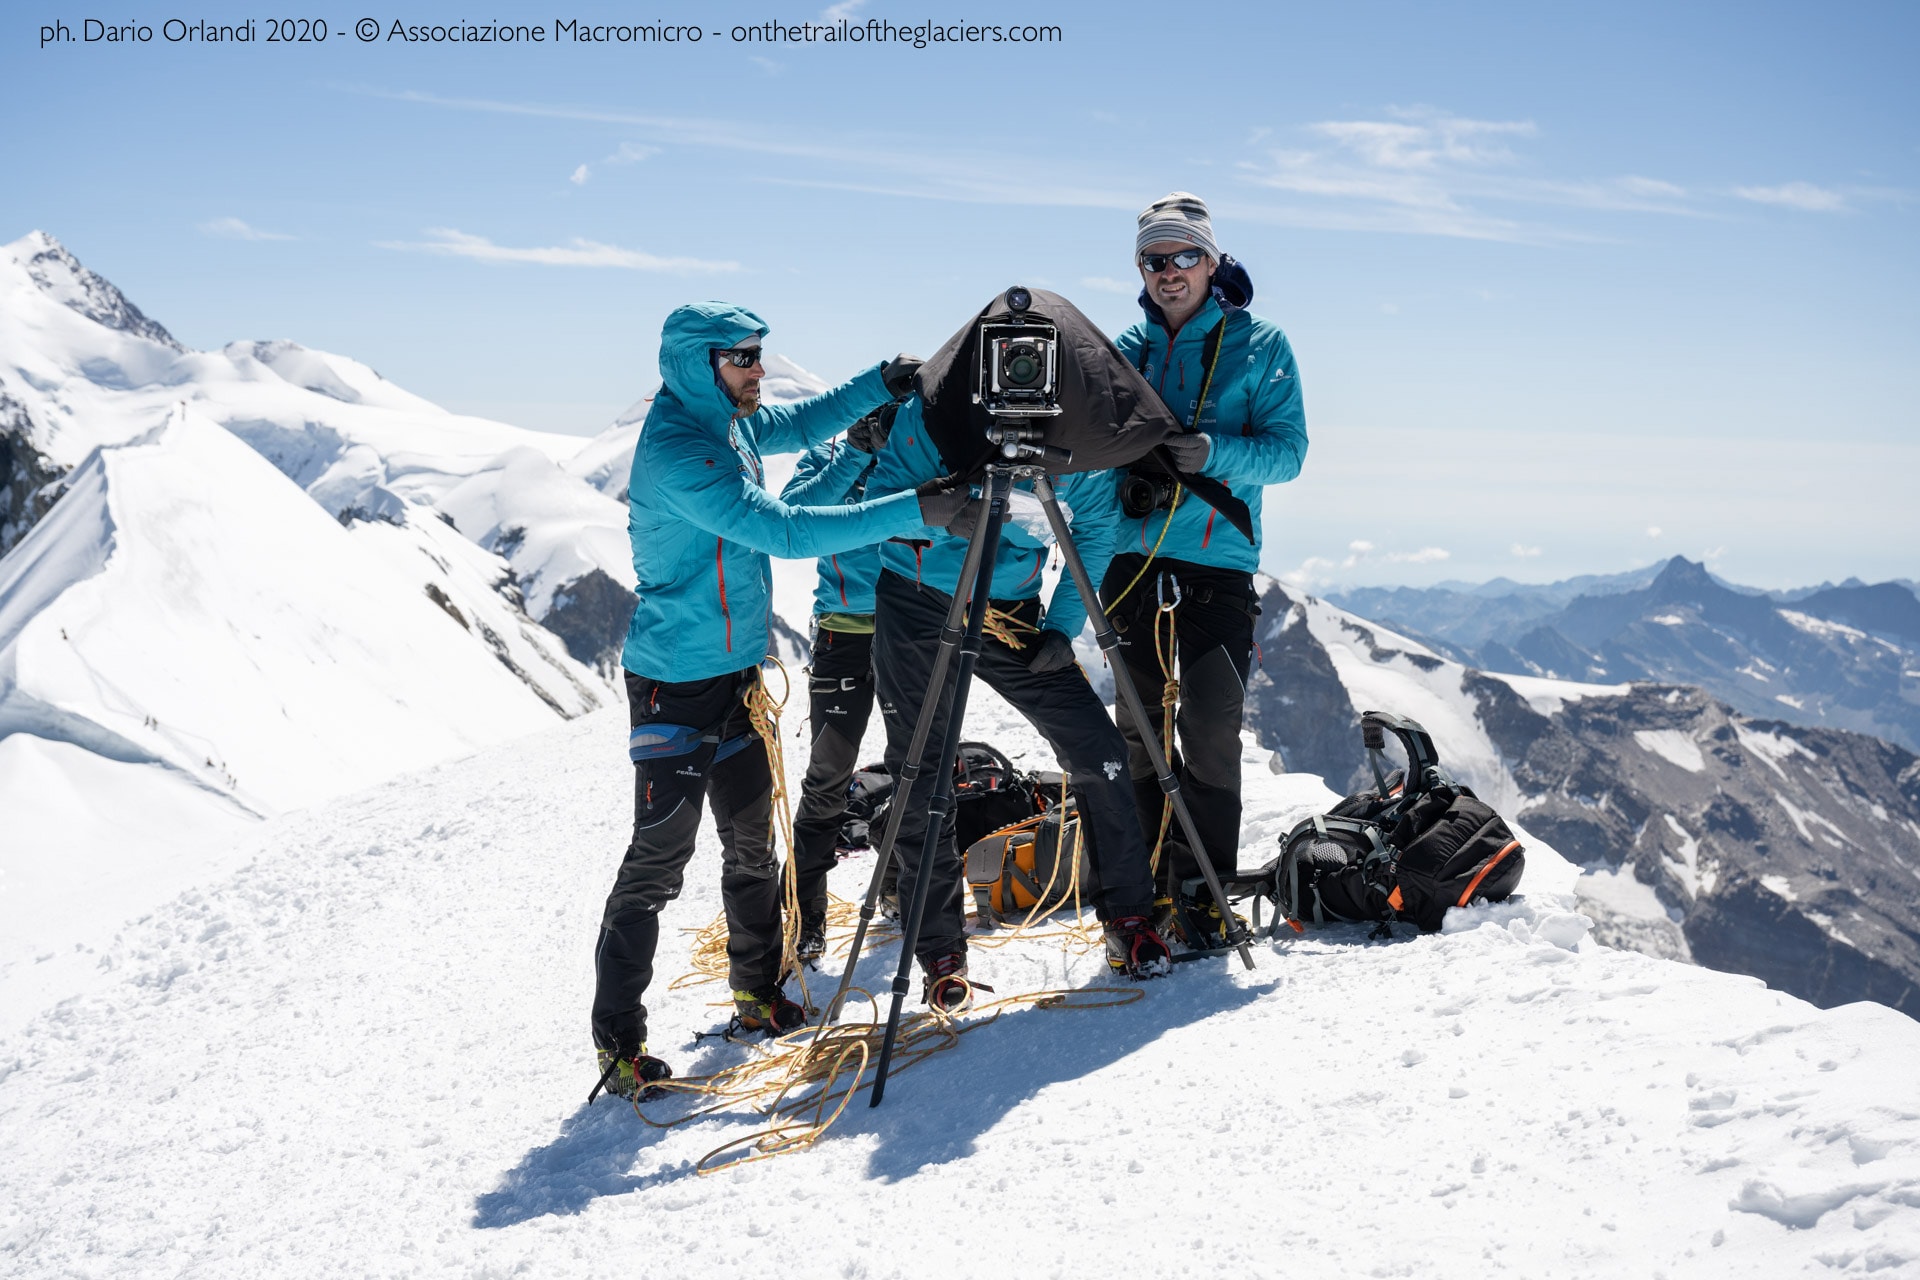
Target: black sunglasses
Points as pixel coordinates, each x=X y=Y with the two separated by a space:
x=739 y=357
x=1186 y=260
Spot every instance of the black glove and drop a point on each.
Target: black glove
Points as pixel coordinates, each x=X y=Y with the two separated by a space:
x=963 y=525
x=941 y=502
x=1053 y=653
x=898 y=373
x=869 y=435
x=1190 y=451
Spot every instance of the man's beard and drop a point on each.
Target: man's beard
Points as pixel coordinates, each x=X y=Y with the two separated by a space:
x=747 y=403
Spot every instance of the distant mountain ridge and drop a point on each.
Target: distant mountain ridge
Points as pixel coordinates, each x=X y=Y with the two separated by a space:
x=1843 y=656
x=1749 y=844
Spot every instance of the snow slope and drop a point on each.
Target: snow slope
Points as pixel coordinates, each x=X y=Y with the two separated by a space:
x=88 y=375
x=187 y=642
x=365 y=1053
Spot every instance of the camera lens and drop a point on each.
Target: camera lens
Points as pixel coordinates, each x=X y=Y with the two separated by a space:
x=1137 y=496
x=1021 y=365
x=1018 y=299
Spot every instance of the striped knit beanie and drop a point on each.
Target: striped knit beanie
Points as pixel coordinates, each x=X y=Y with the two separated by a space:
x=1180 y=216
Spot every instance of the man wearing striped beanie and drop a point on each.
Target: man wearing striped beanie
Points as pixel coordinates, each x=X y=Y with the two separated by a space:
x=1230 y=377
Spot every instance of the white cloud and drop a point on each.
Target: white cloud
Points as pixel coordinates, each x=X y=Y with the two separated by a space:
x=1524 y=552
x=767 y=65
x=1428 y=172
x=1320 y=570
x=1795 y=195
x=580 y=176
x=632 y=153
x=1107 y=284
x=575 y=253
x=845 y=9
x=235 y=229
x=1653 y=531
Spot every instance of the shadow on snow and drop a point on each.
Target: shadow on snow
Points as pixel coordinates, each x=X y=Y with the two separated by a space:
x=933 y=1114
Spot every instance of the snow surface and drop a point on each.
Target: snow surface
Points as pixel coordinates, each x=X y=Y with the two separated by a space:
x=365 y=1053
x=185 y=614
x=1675 y=746
x=1547 y=696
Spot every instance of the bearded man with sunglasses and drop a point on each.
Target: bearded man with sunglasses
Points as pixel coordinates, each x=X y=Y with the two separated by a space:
x=1230 y=377
x=703 y=526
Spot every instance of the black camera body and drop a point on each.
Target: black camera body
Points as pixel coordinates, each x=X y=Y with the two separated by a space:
x=1143 y=492
x=1019 y=373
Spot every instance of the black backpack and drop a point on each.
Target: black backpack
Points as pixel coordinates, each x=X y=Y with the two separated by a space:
x=867 y=793
x=988 y=793
x=1409 y=849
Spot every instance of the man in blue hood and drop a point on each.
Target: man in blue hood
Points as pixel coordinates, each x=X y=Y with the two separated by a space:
x=703 y=526
x=1230 y=377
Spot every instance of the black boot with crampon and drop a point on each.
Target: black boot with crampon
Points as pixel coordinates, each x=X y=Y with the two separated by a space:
x=765 y=1011
x=944 y=984
x=812 y=942
x=1135 y=948
x=635 y=1076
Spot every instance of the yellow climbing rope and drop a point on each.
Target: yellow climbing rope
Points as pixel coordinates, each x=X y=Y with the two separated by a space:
x=1006 y=627
x=803 y=1081
x=1164 y=651
x=1172 y=507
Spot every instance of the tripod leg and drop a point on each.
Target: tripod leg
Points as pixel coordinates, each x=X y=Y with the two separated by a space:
x=910 y=772
x=999 y=485
x=1123 y=682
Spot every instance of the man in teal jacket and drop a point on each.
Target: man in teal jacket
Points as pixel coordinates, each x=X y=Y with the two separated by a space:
x=1028 y=659
x=703 y=526
x=1229 y=376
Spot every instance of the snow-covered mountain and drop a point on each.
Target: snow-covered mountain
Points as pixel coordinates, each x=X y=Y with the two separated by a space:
x=1747 y=844
x=1845 y=657
x=365 y=1052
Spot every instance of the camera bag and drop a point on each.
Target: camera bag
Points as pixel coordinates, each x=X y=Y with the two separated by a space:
x=1029 y=864
x=1408 y=849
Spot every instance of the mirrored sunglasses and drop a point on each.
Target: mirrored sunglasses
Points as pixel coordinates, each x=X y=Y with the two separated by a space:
x=1186 y=260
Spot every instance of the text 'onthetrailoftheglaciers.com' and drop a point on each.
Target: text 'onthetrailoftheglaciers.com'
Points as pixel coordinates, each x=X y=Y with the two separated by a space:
x=560 y=31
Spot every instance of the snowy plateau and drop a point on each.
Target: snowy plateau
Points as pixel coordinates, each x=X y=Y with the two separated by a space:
x=306 y=819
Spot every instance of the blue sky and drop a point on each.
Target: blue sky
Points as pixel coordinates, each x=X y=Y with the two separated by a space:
x=1571 y=288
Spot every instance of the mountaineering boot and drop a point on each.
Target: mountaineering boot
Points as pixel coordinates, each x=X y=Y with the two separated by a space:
x=633 y=1077
x=1135 y=949
x=944 y=985
x=812 y=943
x=767 y=1009
x=1198 y=923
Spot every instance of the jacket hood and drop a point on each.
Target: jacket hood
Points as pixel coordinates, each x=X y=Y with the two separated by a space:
x=686 y=342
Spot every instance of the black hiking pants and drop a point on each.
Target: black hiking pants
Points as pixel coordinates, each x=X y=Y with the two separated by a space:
x=1060 y=704
x=1213 y=636
x=840 y=698
x=725 y=764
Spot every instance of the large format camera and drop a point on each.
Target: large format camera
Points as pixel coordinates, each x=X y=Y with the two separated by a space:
x=1019 y=372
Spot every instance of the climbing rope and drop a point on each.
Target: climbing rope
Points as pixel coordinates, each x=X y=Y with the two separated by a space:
x=803 y=1082
x=1006 y=627
x=1178 y=492
x=1164 y=650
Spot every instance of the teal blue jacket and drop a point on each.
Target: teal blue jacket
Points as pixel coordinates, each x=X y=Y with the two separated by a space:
x=837 y=472
x=1092 y=499
x=1253 y=414
x=701 y=520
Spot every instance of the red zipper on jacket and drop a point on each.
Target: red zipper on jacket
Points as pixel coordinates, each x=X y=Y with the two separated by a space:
x=835 y=560
x=720 y=563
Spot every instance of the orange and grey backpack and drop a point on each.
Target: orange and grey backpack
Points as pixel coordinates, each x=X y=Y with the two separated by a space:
x=1409 y=849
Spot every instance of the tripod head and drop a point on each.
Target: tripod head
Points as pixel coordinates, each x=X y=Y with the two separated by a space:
x=1023 y=440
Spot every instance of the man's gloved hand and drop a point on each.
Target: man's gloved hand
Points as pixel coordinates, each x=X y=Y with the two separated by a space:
x=898 y=373
x=1190 y=451
x=942 y=503
x=869 y=435
x=1053 y=653
x=963 y=525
